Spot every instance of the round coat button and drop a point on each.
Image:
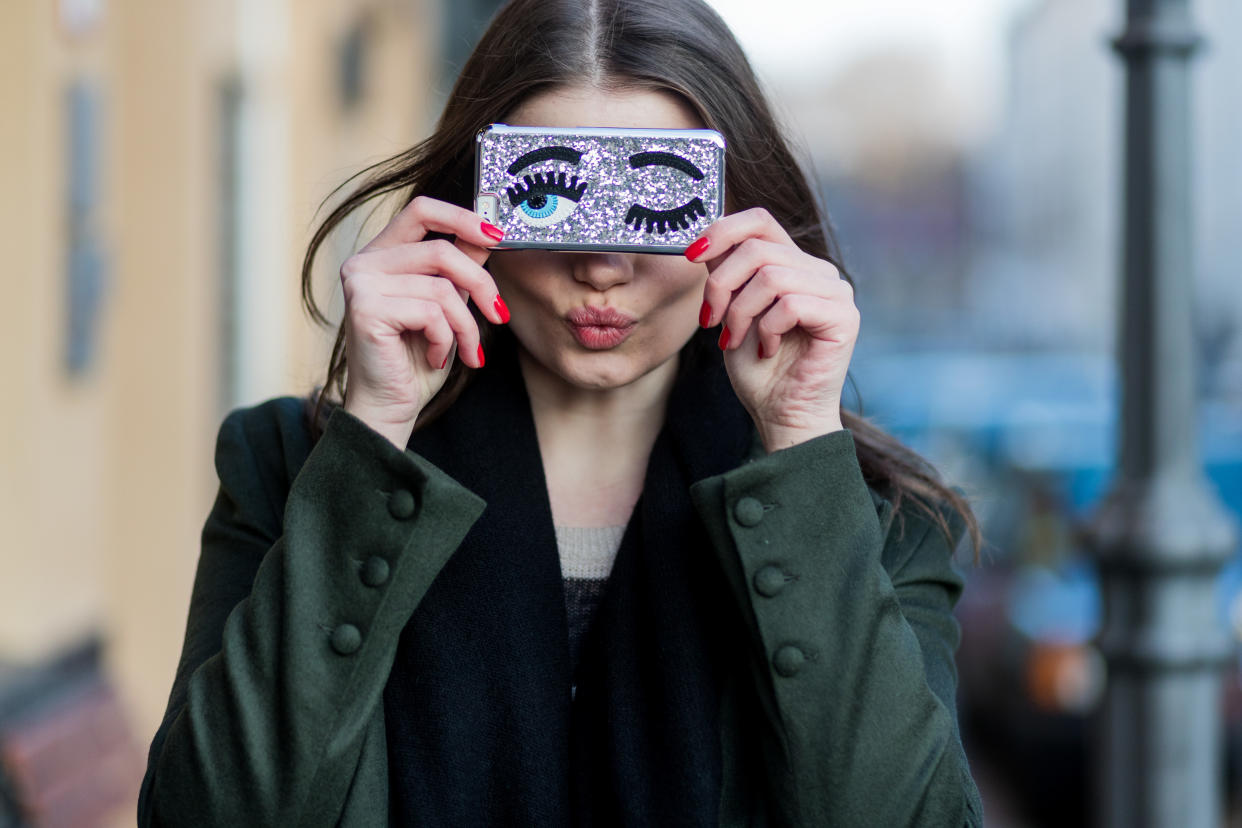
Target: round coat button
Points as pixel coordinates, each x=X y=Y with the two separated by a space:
x=788 y=660
x=748 y=511
x=401 y=504
x=769 y=581
x=346 y=639
x=374 y=571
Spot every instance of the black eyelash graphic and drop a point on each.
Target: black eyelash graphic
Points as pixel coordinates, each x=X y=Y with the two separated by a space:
x=543 y=184
x=545 y=154
x=661 y=221
x=666 y=159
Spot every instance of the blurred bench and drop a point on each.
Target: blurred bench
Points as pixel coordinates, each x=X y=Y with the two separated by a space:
x=67 y=756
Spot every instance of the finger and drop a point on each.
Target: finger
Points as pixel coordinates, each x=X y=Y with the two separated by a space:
x=735 y=270
x=728 y=231
x=442 y=292
x=441 y=333
x=425 y=214
x=439 y=257
x=768 y=284
x=455 y=328
x=379 y=316
x=479 y=255
x=444 y=363
x=822 y=318
x=474 y=252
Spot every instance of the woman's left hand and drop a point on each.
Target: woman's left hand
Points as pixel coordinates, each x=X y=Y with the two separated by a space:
x=790 y=325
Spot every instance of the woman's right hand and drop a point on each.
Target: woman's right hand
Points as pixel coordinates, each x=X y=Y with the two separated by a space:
x=405 y=311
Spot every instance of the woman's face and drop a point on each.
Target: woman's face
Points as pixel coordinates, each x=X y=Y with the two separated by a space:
x=662 y=293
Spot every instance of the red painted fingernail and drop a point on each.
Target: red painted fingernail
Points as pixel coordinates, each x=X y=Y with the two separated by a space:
x=696 y=249
x=761 y=349
x=492 y=231
x=705 y=315
x=502 y=309
x=724 y=338
x=446 y=356
x=480 y=354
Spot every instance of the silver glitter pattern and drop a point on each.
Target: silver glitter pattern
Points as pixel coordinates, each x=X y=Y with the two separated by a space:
x=545 y=204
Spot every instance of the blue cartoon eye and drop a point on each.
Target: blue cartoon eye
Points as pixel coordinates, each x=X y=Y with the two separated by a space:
x=545 y=209
x=546 y=199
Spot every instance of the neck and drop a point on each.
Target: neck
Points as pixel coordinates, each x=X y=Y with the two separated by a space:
x=585 y=423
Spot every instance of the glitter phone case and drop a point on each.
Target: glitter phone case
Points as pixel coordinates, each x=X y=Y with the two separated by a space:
x=579 y=188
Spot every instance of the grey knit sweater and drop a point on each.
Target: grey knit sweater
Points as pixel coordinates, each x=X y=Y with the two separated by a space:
x=587 y=553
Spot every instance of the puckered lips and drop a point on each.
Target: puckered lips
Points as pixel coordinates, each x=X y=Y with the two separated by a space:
x=598 y=328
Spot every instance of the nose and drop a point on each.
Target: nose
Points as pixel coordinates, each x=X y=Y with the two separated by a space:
x=603 y=270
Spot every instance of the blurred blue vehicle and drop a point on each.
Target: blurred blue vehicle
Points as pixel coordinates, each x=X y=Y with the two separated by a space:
x=1032 y=439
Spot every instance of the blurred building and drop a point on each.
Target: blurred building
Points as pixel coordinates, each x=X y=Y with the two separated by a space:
x=889 y=155
x=1048 y=193
x=164 y=160
x=1014 y=241
x=1047 y=229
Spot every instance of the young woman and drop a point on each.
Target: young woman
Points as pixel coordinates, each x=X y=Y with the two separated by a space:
x=509 y=576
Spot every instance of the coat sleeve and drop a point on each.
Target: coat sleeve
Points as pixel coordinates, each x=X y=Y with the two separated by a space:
x=300 y=596
x=853 y=640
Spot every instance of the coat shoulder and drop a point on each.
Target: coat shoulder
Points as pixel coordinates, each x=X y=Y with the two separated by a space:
x=260 y=449
x=275 y=430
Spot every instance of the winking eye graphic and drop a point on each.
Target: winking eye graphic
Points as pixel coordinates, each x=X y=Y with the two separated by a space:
x=662 y=221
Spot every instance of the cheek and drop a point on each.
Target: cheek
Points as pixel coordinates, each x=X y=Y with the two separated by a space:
x=518 y=273
x=679 y=297
x=684 y=279
x=673 y=273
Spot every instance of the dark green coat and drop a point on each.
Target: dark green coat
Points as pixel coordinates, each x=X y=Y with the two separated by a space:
x=276 y=714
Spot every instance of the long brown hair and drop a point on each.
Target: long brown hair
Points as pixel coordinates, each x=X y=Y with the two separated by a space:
x=678 y=46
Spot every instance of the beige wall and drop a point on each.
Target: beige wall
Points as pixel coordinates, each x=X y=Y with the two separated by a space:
x=51 y=502
x=105 y=479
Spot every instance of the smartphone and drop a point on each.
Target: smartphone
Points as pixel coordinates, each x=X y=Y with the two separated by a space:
x=580 y=188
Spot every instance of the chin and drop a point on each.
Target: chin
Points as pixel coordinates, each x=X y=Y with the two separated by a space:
x=599 y=372
x=589 y=370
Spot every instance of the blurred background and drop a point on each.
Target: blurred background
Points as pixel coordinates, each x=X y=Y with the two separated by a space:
x=165 y=162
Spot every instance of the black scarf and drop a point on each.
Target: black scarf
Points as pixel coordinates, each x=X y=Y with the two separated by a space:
x=481 y=727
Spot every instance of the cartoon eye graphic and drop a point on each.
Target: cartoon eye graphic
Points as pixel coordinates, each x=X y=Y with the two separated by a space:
x=545 y=199
x=662 y=221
